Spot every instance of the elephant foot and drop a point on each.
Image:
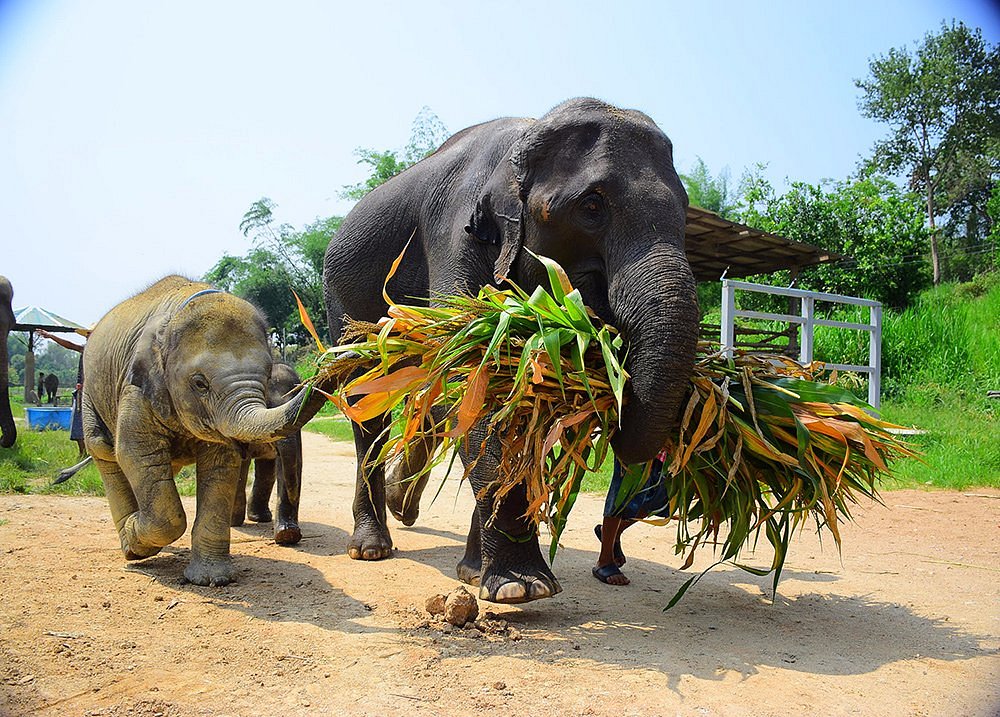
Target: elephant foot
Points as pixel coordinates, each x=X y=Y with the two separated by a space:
x=469 y=571
x=519 y=575
x=402 y=499
x=236 y=520
x=137 y=551
x=210 y=573
x=512 y=588
x=132 y=547
x=262 y=515
x=370 y=543
x=287 y=532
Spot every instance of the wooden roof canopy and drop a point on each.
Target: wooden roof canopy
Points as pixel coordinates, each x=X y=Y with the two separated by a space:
x=716 y=246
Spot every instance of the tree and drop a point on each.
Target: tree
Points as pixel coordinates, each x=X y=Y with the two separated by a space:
x=282 y=259
x=426 y=134
x=384 y=166
x=942 y=104
x=868 y=219
x=49 y=358
x=708 y=192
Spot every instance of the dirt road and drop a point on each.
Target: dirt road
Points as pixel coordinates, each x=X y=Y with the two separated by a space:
x=907 y=623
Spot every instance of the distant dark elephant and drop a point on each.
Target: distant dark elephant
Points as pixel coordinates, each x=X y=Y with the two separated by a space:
x=9 y=430
x=51 y=388
x=589 y=185
x=275 y=464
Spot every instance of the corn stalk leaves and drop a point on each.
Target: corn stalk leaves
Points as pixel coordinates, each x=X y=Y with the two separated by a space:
x=762 y=442
x=307 y=322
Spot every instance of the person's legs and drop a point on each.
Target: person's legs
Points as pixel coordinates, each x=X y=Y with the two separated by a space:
x=611 y=557
x=607 y=568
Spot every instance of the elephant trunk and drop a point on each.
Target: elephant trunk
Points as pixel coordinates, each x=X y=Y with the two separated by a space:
x=652 y=294
x=254 y=423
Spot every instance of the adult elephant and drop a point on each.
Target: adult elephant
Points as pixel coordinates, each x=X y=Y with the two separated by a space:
x=9 y=430
x=51 y=388
x=589 y=185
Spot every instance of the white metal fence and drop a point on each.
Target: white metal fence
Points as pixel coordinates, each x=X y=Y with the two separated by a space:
x=808 y=321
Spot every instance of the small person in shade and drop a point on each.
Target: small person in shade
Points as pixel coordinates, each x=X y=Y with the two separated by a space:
x=651 y=499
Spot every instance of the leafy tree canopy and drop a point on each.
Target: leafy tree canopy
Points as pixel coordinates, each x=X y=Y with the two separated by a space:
x=282 y=259
x=868 y=219
x=426 y=135
x=708 y=192
x=942 y=105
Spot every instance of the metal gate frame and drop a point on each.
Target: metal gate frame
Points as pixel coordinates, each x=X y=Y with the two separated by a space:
x=808 y=321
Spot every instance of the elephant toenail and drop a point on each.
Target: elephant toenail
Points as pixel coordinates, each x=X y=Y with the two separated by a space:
x=510 y=592
x=539 y=589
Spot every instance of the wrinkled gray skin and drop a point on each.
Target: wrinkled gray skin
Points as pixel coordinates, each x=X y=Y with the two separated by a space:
x=175 y=378
x=9 y=430
x=275 y=464
x=589 y=185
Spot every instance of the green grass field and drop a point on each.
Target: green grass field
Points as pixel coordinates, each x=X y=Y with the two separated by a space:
x=30 y=465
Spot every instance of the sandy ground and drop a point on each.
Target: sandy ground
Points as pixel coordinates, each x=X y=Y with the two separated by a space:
x=906 y=623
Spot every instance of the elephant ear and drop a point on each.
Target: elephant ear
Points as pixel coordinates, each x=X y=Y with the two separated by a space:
x=498 y=217
x=147 y=371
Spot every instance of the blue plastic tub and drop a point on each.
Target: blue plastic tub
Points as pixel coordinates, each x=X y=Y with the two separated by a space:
x=41 y=418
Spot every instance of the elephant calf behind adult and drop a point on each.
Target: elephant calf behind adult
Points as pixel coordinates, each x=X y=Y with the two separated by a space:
x=276 y=465
x=176 y=375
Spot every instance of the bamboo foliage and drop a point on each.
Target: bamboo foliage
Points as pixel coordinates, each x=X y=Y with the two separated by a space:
x=762 y=444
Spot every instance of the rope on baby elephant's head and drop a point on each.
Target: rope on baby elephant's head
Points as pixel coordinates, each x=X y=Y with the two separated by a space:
x=197 y=294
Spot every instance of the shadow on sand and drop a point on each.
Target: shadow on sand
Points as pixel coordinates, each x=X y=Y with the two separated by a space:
x=727 y=623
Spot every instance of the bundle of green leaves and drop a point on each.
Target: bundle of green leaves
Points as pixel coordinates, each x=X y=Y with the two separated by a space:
x=761 y=446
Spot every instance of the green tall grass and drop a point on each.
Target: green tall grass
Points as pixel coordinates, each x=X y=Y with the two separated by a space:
x=940 y=358
x=35 y=459
x=30 y=465
x=946 y=344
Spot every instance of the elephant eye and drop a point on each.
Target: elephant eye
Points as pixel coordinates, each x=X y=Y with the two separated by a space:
x=593 y=205
x=200 y=383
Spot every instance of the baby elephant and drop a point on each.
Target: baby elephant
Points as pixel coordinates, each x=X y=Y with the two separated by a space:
x=274 y=464
x=178 y=374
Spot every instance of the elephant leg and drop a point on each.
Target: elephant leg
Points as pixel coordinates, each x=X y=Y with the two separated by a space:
x=402 y=489
x=471 y=565
x=239 y=513
x=158 y=522
x=259 y=510
x=407 y=478
x=513 y=569
x=218 y=469
x=117 y=489
x=371 y=540
x=286 y=528
x=123 y=504
x=144 y=458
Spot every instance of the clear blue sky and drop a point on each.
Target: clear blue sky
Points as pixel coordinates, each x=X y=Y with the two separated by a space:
x=134 y=135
